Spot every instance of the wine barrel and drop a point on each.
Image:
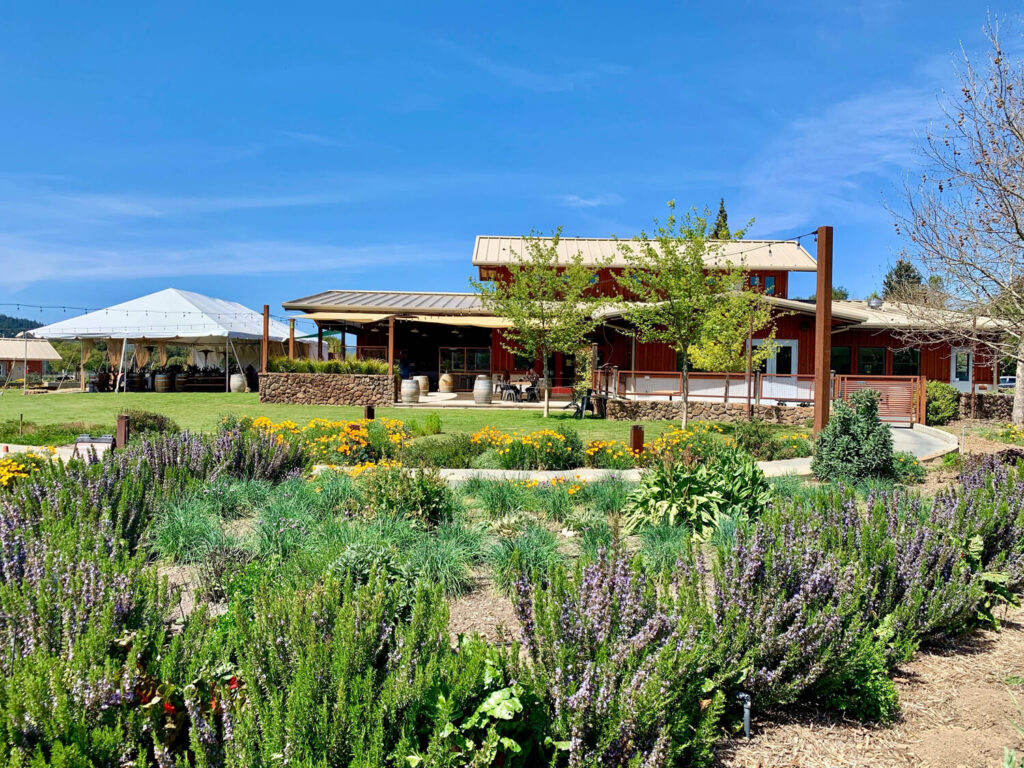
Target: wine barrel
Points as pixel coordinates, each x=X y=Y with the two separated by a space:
x=163 y=382
x=182 y=383
x=237 y=382
x=410 y=391
x=424 y=382
x=446 y=383
x=483 y=388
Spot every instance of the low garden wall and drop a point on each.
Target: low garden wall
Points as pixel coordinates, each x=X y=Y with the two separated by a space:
x=327 y=389
x=650 y=410
x=991 y=407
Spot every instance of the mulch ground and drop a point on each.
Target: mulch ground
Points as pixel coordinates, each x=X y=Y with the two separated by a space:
x=958 y=711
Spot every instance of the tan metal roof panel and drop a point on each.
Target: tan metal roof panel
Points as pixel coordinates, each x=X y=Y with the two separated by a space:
x=787 y=255
x=389 y=302
x=38 y=349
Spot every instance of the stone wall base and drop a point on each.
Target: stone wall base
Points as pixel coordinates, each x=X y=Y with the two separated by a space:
x=990 y=407
x=659 y=410
x=327 y=389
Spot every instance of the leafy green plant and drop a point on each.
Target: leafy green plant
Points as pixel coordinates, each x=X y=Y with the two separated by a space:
x=503 y=498
x=855 y=444
x=142 y=423
x=456 y=451
x=942 y=402
x=420 y=495
x=432 y=424
x=661 y=546
x=606 y=496
x=907 y=469
x=363 y=367
x=696 y=494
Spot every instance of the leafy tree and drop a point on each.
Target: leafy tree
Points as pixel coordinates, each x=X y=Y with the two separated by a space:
x=721 y=229
x=546 y=300
x=674 y=299
x=728 y=328
x=901 y=281
x=839 y=293
x=11 y=326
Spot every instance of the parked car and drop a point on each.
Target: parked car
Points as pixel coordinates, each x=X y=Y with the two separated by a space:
x=1007 y=382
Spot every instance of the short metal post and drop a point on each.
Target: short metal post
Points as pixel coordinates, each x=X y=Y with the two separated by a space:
x=123 y=431
x=636 y=439
x=368 y=412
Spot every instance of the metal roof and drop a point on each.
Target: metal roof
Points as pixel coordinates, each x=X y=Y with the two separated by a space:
x=391 y=302
x=788 y=255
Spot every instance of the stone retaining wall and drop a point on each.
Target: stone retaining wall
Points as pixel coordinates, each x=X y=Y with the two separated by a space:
x=653 y=410
x=992 y=407
x=327 y=389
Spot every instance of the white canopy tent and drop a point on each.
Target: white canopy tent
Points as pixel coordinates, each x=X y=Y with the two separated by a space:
x=220 y=330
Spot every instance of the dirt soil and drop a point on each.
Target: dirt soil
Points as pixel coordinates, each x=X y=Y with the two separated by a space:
x=485 y=611
x=958 y=711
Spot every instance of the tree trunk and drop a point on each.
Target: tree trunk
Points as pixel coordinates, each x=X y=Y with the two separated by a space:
x=545 y=384
x=686 y=390
x=1018 y=390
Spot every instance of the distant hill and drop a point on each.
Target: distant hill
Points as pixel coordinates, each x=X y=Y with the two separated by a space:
x=9 y=326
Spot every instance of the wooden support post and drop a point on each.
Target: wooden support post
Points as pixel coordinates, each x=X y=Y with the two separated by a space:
x=123 y=431
x=319 y=342
x=636 y=439
x=291 y=338
x=265 y=341
x=82 y=371
x=391 y=345
x=823 y=331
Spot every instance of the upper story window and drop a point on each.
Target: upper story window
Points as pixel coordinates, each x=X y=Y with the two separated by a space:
x=755 y=281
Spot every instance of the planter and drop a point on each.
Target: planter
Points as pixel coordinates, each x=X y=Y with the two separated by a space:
x=483 y=389
x=163 y=382
x=424 y=382
x=410 y=391
x=237 y=382
x=446 y=383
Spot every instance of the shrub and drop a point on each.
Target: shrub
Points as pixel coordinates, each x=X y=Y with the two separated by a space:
x=142 y=423
x=661 y=546
x=629 y=674
x=455 y=451
x=608 y=497
x=907 y=469
x=444 y=558
x=942 y=403
x=285 y=365
x=432 y=424
x=608 y=454
x=854 y=444
x=683 y=491
x=421 y=495
x=555 y=449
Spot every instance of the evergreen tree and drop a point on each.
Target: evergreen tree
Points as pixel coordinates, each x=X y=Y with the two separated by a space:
x=721 y=229
x=10 y=326
x=902 y=279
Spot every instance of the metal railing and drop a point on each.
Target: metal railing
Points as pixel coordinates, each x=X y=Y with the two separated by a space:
x=759 y=388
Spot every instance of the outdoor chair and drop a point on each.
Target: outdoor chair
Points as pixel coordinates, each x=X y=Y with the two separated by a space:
x=581 y=406
x=508 y=392
x=532 y=394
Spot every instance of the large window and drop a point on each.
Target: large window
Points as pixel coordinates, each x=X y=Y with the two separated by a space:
x=906 y=362
x=871 y=361
x=841 y=360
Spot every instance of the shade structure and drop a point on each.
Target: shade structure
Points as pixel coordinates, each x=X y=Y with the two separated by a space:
x=173 y=315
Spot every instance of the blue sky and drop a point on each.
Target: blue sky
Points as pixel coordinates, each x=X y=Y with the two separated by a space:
x=265 y=151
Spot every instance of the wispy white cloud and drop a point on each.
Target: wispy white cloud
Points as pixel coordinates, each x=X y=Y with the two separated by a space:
x=26 y=260
x=594 y=201
x=532 y=79
x=304 y=137
x=840 y=160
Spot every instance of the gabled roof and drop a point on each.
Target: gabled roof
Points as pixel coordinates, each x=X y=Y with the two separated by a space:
x=787 y=255
x=390 y=303
x=170 y=314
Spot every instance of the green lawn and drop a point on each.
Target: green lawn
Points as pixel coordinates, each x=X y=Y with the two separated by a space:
x=202 y=411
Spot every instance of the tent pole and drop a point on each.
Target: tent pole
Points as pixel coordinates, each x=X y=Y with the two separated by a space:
x=120 y=364
x=24 y=373
x=82 y=374
x=227 y=364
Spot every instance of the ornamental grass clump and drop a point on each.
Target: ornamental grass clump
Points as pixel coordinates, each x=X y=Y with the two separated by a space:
x=629 y=671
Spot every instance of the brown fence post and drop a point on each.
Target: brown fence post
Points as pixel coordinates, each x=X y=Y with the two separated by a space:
x=123 y=431
x=823 y=329
x=265 y=341
x=636 y=439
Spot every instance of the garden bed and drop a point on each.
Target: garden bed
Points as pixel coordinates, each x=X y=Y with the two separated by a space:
x=320 y=614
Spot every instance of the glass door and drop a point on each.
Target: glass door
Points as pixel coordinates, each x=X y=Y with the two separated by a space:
x=961 y=368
